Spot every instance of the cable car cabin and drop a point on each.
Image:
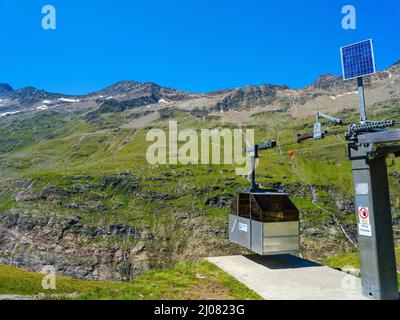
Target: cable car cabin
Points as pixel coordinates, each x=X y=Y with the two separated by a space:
x=266 y=223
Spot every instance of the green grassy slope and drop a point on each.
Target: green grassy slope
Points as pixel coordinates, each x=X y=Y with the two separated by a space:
x=353 y=260
x=200 y=280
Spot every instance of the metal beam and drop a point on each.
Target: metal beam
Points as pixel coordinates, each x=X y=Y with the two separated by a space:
x=319 y=115
x=380 y=138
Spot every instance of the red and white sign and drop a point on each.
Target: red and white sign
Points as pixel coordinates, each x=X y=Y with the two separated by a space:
x=363 y=213
x=364 y=227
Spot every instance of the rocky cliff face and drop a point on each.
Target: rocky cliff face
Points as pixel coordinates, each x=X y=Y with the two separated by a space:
x=331 y=83
x=57 y=226
x=31 y=239
x=248 y=97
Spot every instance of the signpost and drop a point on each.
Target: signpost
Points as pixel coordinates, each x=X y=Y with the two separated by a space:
x=369 y=145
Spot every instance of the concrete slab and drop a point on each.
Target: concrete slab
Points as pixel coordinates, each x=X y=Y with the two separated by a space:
x=286 y=277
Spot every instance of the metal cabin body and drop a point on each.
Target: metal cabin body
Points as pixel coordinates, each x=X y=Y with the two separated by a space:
x=266 y=223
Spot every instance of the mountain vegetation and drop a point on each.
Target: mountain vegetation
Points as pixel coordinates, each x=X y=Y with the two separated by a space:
x=76 y=191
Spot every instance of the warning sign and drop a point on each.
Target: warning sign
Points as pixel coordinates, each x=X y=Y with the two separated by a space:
x=363 y=213
x=364 y=230
x=364 y=226
x=362 y=188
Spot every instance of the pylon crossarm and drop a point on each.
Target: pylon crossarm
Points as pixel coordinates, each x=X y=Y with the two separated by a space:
x=355 y=130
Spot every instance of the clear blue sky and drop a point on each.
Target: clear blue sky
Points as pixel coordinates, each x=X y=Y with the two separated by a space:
x=193 y=45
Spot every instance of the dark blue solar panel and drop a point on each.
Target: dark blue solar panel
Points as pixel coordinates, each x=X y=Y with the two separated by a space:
x=358 y=60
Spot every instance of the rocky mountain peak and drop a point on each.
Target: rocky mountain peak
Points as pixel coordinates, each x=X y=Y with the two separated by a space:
x=324 y=78
x=128 y=90
x=5 y=88
x=330 y=83
x=252 y=95
x=395 y=67
x=28 y=96
x=120 y=87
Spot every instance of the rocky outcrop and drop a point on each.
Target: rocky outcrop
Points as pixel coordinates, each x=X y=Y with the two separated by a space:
x=251 y=96
x=32 y=239
x=131 y=90
x=5 y=89
x=60 y=231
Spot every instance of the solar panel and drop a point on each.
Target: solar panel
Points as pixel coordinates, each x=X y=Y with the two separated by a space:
x=358 y=59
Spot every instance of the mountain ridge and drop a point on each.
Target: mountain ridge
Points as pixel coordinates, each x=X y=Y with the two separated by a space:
x=5 y=87
x=130 y=94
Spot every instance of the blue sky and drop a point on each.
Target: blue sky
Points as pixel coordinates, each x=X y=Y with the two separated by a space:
x=193 y=45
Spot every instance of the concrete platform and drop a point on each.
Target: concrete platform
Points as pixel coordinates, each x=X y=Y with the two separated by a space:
x=286 y=277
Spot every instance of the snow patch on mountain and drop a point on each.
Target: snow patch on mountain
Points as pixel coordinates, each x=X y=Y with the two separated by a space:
x=3 y=102
x=9 y=113
x=163 y=101
x=68 y=100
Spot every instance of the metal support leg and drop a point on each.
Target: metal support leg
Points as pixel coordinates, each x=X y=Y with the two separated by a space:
x=374 y=222
x=253 y=185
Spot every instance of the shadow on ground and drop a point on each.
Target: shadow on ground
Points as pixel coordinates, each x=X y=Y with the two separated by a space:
x=284 y=261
